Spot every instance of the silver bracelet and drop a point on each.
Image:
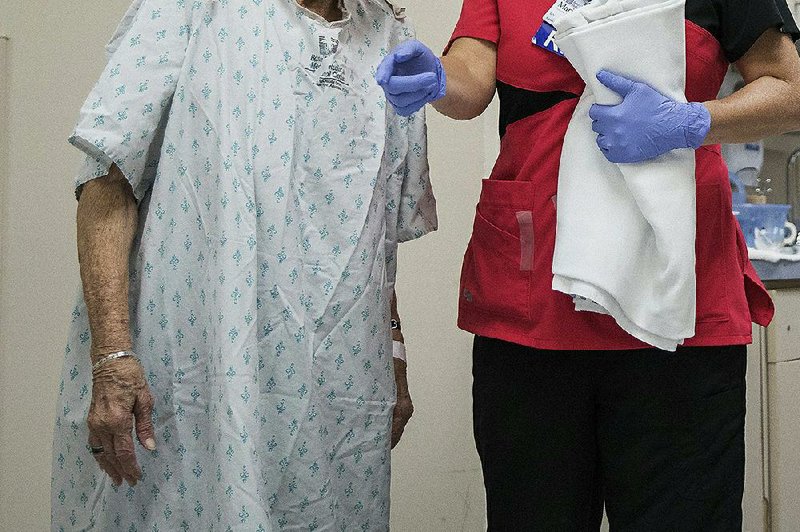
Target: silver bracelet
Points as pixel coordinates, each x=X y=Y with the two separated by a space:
x=112 y=356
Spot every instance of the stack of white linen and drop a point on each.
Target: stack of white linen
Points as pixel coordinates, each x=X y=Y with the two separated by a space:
x=625 y=240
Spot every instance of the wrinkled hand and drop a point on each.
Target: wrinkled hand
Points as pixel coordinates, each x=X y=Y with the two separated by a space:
x=120 y=395
x=404 y=408
x=411 y=76
x=646 y=124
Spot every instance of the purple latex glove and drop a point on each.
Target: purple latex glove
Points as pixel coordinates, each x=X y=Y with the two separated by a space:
x=411 y=76
x=646 y=124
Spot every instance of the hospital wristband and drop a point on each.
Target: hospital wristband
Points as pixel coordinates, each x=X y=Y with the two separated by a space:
x=399 y=350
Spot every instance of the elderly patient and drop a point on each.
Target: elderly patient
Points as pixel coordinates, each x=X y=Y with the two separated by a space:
x=243 y=196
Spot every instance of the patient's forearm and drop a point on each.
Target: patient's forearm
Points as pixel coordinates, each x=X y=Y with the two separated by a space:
x=397 y=334
x=107 y=219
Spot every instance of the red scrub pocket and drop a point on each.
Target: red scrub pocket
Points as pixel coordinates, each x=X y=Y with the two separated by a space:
x=496 y=276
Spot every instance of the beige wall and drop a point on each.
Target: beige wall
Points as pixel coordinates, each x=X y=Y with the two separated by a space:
x=437 y=483
x=3 y=241
x=55 y=54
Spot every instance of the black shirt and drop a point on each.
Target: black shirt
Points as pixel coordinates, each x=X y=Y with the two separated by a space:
x=737 y=24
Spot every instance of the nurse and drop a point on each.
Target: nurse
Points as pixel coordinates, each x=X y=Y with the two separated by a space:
x=570 y=412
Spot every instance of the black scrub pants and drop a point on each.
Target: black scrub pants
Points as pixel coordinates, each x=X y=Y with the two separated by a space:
x=656 y=437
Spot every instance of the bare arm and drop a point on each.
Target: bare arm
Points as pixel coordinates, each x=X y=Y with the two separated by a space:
x=470 y=66
x=397 y=334
x=769 y=103
x=107 y=220
x=404 y=408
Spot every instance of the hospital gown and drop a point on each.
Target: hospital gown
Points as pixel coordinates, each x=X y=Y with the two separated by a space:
x=274 y=186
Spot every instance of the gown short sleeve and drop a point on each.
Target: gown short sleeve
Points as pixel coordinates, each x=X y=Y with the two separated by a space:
x=411 y=205
x=123 y=118
x=417 y=210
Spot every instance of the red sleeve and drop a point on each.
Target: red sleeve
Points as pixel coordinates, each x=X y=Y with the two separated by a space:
x=479 y=20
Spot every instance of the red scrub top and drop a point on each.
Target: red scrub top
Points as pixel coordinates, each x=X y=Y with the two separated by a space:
x=504 y=297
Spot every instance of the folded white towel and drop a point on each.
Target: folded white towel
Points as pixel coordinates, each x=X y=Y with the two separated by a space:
x=626 y=233
x=769 y=255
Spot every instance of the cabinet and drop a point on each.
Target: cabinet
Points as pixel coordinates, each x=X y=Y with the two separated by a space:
x=754 y=504
x=772 y=478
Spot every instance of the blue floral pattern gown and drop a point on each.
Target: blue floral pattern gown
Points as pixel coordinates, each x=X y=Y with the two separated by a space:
x=274 y=185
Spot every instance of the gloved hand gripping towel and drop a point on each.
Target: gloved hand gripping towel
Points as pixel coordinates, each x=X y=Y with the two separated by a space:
x=625 y=233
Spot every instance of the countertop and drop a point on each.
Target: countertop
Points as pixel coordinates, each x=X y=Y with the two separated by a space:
x=780 y=275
